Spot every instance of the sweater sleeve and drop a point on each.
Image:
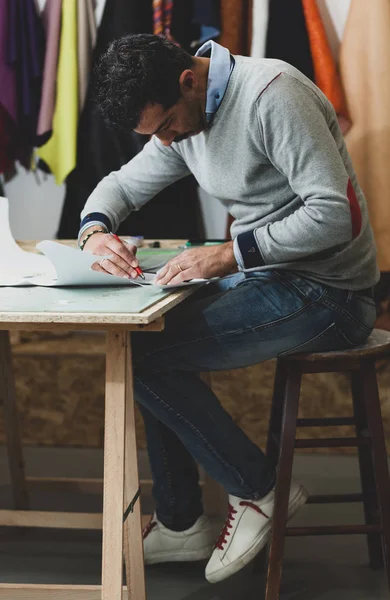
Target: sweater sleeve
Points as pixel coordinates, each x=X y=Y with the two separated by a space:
x=298 y=142
x=137 y=182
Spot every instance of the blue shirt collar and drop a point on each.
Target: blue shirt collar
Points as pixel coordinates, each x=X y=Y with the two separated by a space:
x=221 y=66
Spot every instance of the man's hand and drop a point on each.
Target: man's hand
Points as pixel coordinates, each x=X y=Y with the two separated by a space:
x=122 y=256
x=204 y=262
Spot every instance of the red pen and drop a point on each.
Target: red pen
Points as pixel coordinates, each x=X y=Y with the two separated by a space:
x=137 y=269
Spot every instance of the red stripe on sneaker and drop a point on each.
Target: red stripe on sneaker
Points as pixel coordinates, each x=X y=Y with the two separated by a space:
x=356 y=215
x=151 y=525
x=257 y=508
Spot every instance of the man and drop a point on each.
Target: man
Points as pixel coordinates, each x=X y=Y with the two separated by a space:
x=264 y=140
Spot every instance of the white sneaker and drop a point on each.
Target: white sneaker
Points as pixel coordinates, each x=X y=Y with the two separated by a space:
x=246 y=532
x=164 y=545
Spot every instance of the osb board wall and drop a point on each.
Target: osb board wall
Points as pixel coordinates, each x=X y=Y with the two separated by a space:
x=60 y=397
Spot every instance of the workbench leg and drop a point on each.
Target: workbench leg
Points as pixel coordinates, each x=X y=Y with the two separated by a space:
x=133 y=542
x=119 y=414
x=114 y=466
x=11 y=425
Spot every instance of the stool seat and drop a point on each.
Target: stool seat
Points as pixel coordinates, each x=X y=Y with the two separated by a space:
x=376 y=347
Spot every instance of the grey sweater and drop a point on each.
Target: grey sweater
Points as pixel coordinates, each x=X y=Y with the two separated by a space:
x=276 y=158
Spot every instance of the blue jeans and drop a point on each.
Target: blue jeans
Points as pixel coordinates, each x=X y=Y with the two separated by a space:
x=236 y=322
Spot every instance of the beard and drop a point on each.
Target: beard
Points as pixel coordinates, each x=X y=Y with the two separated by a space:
x=198 y=125
x=184 y=136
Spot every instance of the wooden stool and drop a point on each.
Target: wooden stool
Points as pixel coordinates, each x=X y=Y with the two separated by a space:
x=369 y=440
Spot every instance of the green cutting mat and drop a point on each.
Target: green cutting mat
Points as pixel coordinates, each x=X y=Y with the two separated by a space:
x=36 y=299
x=153 y=259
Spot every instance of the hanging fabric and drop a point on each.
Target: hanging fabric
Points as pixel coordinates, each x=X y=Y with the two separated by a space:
x=325 y=70
x=174 y=212
x=162 y=16
x=260 y=12
x=158 y=17
x=8 y=97
x=86 y=40
x=26 y=47
x=21 y=65
x=364 y=64
x=287 y=37
x=235 y=26
x=8 y=101
x=8 y=151
x=51 y=18
x=59 y=153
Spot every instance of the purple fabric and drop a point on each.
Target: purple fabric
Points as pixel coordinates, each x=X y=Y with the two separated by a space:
x=51 y=18
x=6 y=141
x=22 y=46
x=26 y=46
x=8 y=96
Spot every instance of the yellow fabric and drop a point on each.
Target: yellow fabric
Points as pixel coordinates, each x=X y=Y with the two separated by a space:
x=364 y=62
x=60 y=151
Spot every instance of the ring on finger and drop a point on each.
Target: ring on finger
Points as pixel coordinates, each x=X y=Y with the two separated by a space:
x=179 y=267
x=101 y=262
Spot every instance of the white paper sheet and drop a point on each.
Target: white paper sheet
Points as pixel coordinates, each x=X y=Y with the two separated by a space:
x=60 y=265
x=73 y=267
x=15 y=263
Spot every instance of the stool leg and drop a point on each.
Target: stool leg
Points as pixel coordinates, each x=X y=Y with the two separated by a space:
x=215 y=498
x=11 y=425
x=275 y=422
x=290 y=413
x=381 y=469
x=367 y=476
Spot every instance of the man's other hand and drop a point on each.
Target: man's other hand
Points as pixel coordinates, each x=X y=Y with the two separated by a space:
x=203 y=262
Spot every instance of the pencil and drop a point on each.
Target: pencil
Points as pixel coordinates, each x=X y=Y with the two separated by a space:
x=137 y=269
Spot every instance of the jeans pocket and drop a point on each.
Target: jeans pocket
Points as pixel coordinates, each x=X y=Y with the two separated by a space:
x=361 y=320
x=330 y=339
x=306 y=289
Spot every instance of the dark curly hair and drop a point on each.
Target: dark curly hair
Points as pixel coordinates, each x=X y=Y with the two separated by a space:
x=134 y=71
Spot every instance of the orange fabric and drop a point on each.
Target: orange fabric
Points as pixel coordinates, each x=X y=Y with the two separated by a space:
x=325 y=69
x=364 y=64
x=158 y=17
x=236 y=25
